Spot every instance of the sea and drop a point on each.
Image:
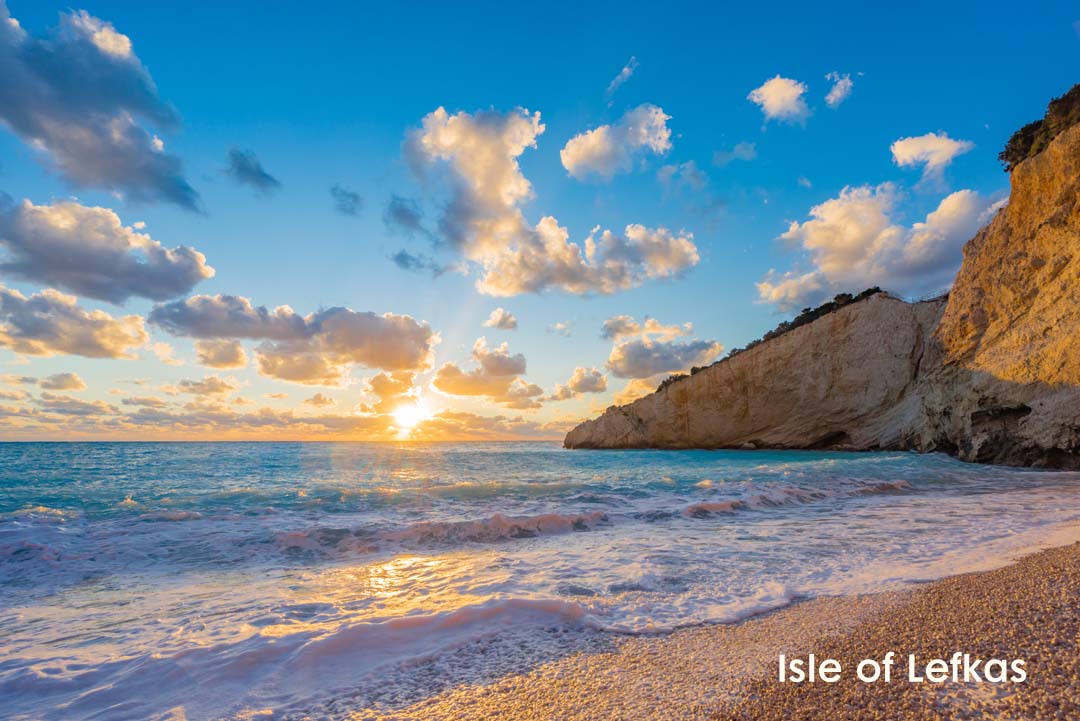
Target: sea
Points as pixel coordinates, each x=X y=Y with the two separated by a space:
x=190 y=581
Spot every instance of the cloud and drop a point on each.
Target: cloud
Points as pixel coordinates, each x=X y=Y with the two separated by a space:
x=14 y=380
x=679 y=175
x=320 y=401
x=853 y=242
x=418 y=262
x=390 y=389
x=740 y=151
x=561 y=327
x=87 y=250
x=208 y=386
x=497 y=377
x=405 y=215
x=483 y=220
x=624 y=326
x=781 y=99
x=63 y=382
x=622 y=77
x=642 y=350
x=637 y=388
x=643 y=357
x=933 y=151
x=317 y=349
x=583 y=380
x=840 y=90
x=804 y=182
x=229 y=316
x=144 y=401
x=78 y=95
x=457 y=425
x=13 y=395
x=346 y=202
x=612 y=262
x=51 y=323
x=69 y=406
x=166 y=354
x=244 y=167
x=610 y=149
x=502 y=319
x=221 y=353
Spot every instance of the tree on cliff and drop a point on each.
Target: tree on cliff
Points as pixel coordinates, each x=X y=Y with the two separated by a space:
x=1029 y=141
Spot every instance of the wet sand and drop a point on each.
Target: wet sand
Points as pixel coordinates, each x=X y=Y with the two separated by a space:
x=1029 y=610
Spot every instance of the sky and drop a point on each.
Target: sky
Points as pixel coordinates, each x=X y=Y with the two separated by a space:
x=395 y=222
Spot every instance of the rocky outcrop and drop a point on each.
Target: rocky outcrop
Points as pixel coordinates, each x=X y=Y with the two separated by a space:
x=1005 y=385
x=991 y=374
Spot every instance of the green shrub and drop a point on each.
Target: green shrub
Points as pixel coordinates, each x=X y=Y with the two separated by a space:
x=1030 y=140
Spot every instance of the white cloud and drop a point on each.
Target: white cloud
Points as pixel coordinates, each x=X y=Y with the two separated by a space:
x=686 y=174
x=166 y=354
x=221 y=353
x=496 y=376
x=840 y=90
x=63 y=382
x=561 y=327
x=484 y=222
x=781 y=99
x=391 y=388
x=611 y=149
x=740 y=151
x=643 y=357
x=77 y=94
x=87 y=250
x=69 y=406
x=208 y=386
x=583 y=380
x=317 y=349
x=320 y=401
x=637 y=388
x=853 y=242
x=502 y=319
x=51 y=323
x=624 y=326
x=933 y=151
x=643 y=350
x=622 y=77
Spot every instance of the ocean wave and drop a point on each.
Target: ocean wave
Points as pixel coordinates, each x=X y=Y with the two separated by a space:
x=170 y=516
x=788 y=496
x=40 y=514
x=496 y=528
x=292 y=668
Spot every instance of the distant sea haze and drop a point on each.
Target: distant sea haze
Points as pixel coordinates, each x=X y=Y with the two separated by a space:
x=154 y=575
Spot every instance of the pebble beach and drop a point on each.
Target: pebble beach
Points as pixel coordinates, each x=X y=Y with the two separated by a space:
x=1028 y=610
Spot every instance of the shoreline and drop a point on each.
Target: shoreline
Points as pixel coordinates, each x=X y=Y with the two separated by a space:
x=1029 y=609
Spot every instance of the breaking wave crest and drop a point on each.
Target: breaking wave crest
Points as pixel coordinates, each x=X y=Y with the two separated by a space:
x=788 y=496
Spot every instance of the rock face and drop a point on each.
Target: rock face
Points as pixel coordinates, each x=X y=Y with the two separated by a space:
x=992 y=374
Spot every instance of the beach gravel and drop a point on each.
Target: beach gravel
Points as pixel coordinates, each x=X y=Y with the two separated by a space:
x=1029 y=610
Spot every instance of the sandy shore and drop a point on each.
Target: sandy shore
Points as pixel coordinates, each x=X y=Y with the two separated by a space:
x=1029 y=610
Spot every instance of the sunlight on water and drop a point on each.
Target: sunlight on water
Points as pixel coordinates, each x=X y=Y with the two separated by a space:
x=303 y=571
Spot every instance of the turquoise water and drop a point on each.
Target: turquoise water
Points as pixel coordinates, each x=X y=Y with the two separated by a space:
x=285 y=576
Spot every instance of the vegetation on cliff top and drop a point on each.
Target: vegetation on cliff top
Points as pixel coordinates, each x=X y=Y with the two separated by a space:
x=807 y=315
x=1029 y=141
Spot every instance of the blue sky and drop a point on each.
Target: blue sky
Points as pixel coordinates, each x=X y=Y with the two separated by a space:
x=328 y=95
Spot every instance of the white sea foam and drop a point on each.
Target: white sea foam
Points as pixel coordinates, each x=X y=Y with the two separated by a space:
x=210 y=582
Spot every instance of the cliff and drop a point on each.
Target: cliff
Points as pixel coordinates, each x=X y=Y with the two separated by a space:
x=992 y=374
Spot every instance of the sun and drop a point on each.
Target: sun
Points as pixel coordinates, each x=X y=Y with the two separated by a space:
x=408 y=416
